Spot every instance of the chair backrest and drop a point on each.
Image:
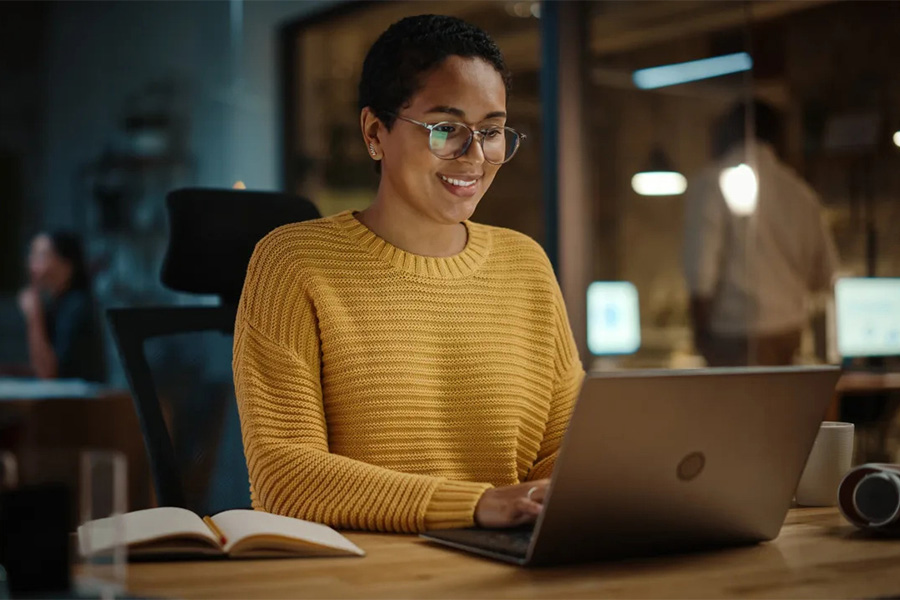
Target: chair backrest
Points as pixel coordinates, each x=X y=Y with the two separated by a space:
x=212 y=236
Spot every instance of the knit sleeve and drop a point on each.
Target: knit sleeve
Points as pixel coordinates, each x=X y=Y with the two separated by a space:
x=568 y=376
x=278 y=387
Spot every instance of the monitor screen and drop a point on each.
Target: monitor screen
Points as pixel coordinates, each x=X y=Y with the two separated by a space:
x=867 y=316
x=613 y=318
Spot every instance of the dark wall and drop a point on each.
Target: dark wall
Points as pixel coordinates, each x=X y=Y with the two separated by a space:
x=22 y=60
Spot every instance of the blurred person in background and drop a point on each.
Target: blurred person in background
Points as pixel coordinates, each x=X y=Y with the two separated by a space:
x=755 y=246
x=63 y=331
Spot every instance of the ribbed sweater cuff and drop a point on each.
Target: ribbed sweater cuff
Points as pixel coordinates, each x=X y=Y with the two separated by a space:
x=453 y=504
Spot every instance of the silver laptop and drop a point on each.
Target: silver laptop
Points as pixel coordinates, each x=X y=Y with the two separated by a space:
x=669 y=461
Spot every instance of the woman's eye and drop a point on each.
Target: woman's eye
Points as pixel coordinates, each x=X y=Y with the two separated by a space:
x=493 y=133
x=448 y=129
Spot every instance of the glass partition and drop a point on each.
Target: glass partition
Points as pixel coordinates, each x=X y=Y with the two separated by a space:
x=743 y=158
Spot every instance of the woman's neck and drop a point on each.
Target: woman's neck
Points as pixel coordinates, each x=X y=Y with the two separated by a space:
x=412 y=232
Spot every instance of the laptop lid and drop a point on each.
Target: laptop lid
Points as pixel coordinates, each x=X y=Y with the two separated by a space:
x=657 y=461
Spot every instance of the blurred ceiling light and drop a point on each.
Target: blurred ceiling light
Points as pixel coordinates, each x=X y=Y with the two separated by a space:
x=239 y=185
x=897 y=139
x=695 y=70
x=659 y=183
x=659 y=178
x=524 y=9
x=740 y=188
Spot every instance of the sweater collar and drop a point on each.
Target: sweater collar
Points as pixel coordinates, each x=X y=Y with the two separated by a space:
x=450 y=267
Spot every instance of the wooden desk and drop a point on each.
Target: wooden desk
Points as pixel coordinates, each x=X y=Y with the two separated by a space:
x=817 y=555
x=866 y=383
x=855 y=383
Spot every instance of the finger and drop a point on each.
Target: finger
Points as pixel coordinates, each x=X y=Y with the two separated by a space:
x=525 y=512
x=522 y=520
x=527 y=507
x=539 y=494
x=540 y=487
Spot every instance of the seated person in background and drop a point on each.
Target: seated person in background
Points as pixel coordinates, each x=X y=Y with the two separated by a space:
x=403 y=368
x=751 y=267
x=64 y=336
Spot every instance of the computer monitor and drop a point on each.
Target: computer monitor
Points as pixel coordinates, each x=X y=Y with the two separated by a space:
x=867 y=316
x=613 y=318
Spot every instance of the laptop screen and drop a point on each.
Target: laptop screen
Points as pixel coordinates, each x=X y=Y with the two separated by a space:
x=867 y=316
x=613 y=318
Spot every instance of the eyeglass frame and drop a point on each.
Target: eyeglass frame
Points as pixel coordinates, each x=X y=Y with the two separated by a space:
x=430 y=127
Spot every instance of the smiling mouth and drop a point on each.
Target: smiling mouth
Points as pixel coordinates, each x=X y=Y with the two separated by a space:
x=458 y=182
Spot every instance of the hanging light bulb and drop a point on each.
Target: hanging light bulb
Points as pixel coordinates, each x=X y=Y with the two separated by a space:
x=659 y=178
x=897 y=139
x=740 y=188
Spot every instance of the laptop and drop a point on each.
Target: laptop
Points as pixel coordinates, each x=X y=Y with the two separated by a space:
x=669 y=461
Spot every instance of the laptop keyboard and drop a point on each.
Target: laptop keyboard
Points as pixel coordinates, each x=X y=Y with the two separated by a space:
x=510 y=542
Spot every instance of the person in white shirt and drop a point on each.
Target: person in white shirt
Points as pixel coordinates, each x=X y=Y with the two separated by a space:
x=755 y=247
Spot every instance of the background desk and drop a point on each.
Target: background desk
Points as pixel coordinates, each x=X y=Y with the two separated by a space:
x=864 y=383
x=855 y=383
x=48 y=423
x=817 y=555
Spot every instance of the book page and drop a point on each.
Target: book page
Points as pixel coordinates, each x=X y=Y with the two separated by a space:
x=239 y=525
x=142 y=527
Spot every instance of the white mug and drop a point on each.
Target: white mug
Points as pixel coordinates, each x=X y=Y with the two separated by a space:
x=828 y=462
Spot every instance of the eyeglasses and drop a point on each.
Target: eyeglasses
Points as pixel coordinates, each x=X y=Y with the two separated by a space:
x=449 y=140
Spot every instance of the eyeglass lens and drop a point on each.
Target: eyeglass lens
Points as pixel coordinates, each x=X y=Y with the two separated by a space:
x=452 y=140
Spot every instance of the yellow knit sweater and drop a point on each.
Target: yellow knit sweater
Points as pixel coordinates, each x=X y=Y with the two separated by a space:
x=386 y=391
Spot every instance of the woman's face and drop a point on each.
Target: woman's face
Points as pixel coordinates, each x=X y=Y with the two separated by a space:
x=46 y=268
x=466 y=90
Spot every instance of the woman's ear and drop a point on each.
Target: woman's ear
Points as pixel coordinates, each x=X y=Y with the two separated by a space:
x=371 y=128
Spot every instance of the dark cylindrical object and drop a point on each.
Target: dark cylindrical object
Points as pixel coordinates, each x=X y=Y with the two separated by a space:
x=869 y=497
x=877 y=498
x=35 y=522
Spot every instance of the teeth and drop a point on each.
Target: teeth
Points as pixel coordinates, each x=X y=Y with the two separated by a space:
x=458 y=182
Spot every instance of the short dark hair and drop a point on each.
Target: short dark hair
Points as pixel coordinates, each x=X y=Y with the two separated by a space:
x=68 y=246
x=410 y=48
x=731 y=128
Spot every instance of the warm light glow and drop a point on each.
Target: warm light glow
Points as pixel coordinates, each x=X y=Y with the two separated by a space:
x=239 y=185
x=524 y=9
x=740 y=188
x=659 y=183
x=897 y=139
x=695 y=70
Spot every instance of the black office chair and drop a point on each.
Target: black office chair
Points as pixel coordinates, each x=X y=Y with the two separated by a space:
x=212 y=236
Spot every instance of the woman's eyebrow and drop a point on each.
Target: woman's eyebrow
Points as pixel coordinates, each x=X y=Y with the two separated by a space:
x=450 y=110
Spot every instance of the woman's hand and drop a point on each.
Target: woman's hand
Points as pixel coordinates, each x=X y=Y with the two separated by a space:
x=511 y=505
x=30 y=302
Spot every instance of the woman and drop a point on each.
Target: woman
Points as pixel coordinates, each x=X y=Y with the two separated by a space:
x=64 y=339
x=402 y=368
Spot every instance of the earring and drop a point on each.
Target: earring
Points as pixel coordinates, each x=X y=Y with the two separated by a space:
x=372 y=148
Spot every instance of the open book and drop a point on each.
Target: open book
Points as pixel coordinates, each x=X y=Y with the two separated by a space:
x=177 y=532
